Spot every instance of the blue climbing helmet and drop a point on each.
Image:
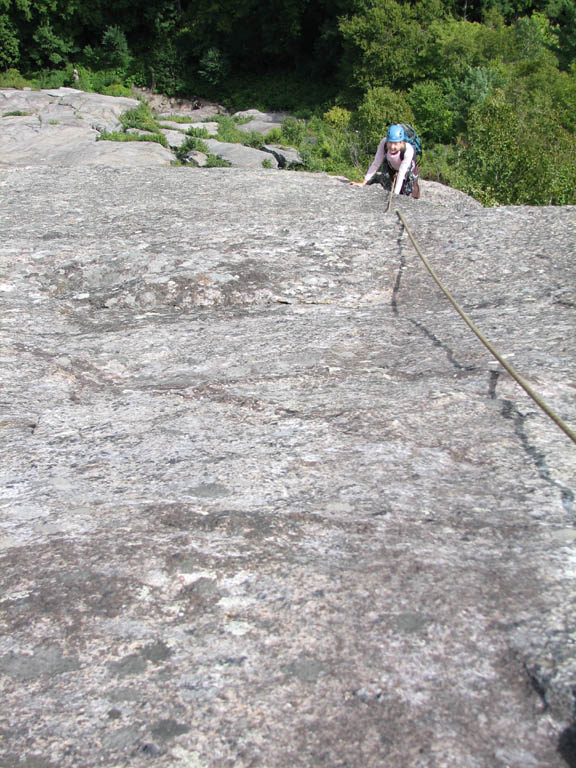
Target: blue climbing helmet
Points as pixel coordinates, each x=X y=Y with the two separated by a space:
x=405 y=132
x=395 y=133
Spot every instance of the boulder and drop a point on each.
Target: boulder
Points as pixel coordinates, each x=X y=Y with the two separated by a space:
x=287 y=156
x=175 y=138
x=240 y=156
x=262 y=117
x=261 y=122
x=256 y=126
x=198 y=159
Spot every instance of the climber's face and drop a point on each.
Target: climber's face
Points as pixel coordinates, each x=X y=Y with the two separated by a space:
x=394 y=147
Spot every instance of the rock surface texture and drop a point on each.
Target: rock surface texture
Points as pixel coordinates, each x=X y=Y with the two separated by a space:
x=266 y=501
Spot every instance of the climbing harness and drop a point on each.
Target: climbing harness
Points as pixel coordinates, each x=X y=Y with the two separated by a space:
x=525 y=386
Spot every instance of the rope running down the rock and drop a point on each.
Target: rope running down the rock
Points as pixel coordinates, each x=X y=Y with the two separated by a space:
x=525 y=386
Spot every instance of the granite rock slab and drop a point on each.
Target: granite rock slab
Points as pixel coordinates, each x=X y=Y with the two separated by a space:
x=62 y=126
x=265 y=500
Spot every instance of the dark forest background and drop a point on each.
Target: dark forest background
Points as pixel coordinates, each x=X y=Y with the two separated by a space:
x=490 y=85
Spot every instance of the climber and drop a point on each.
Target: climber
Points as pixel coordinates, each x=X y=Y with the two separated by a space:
x=398 y=156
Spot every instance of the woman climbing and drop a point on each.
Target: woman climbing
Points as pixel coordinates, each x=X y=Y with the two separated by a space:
x=397 y=158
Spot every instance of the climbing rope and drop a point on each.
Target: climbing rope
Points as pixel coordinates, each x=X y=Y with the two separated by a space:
x=525 y=386
x=391 y=195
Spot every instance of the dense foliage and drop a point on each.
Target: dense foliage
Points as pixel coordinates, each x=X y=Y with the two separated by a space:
x=489 y=84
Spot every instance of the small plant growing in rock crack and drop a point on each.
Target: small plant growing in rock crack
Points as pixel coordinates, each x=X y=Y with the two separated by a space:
x=156 y=138
x=140 y=118
x=214 y=161
x=228 y=132
x=199 y=133
x=191 y=144
x=174 y=119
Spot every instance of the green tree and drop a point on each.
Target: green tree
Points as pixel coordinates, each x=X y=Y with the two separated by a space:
x=491 y=159
x=214 y=66
x=49 y=49
x=432 y=111
x=458 y=46
x=385 y=42
x=379 y=108
x=562 y=13
x=114 y=51
x=9 y=44
x=518 y=154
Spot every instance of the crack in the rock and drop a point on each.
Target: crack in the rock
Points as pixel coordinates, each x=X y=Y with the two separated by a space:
x=567 y=745
x=493 y=383
x=421 y=327
x=398 y=281
x=449 y=352
x=510 y=412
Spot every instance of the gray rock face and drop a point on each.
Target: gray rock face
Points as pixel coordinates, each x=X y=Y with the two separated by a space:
x=210 y=127
x=261 y=122
x=240 y=156
x=265 y=499
x=61 y=126
x=198 y=159
x=262 y=117
x=175 y=138
x=286 y=156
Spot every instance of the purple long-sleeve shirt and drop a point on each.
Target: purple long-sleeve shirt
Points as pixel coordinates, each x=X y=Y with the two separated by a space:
x=402 y=166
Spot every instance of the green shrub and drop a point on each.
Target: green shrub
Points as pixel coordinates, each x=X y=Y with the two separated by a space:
x=9 y=42
x=199 y=133
x=17 y=113
x=48 y=49
x=442 y=163
x=253 y=139
x=157 y=138
x=432 y=112
x=214 y=66
x=517 y=155
x=117 y=90
x=293 y=131
x=51 y=78
x=228 y=130
x=141 y=118
x=379 y=108
x=325 y=144
x=85 y=80
x=114 y=51
x=191 y=144
x=110 y=82
x=13 y=79
x=214 y=161
x=274 y=136
x=175 y=119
